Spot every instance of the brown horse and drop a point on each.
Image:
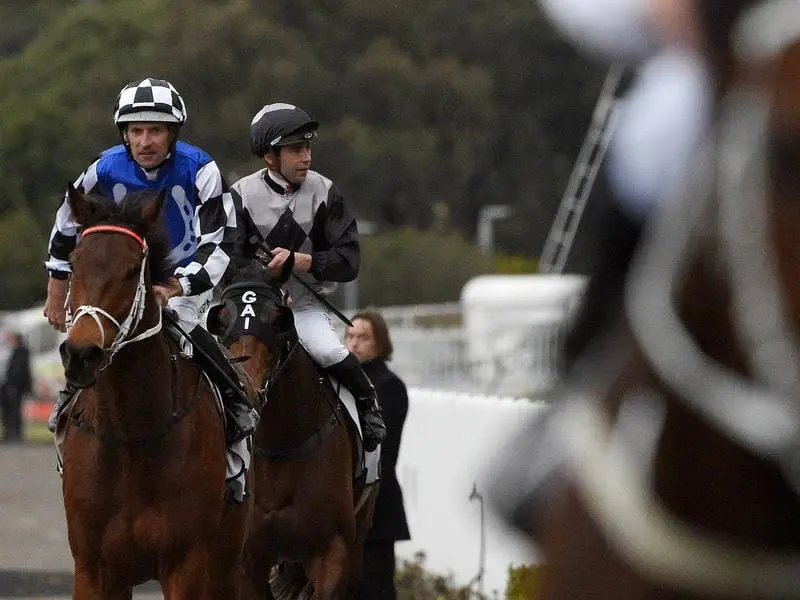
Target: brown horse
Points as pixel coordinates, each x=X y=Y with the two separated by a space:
x=143 y=446
x=668 y=469
x=309 y=519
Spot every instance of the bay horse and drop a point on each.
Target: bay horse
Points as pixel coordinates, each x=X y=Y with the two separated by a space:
x=309 y=518
x=668 y=466
x=142 y=444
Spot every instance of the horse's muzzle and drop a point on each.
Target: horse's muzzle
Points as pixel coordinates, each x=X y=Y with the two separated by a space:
x=81 y=362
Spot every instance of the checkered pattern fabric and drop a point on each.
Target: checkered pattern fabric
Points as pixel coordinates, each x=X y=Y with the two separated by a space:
x=149 y=100
x=312 y=218
x=287 y=233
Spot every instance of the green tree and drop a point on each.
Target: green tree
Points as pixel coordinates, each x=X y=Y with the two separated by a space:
x=427 y=108
x=409 y=266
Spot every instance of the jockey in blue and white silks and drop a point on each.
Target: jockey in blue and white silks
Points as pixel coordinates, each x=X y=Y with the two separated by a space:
x=194 y=188
x=200 y=222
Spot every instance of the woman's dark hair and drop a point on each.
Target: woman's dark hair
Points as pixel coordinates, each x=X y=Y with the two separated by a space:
x=383 y=343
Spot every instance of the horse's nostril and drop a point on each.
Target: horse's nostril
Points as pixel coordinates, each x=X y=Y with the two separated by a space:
x=63 y=351
x=84 y=354
x=92 y=355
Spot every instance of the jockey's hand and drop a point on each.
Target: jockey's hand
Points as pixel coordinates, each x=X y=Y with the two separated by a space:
x=164 y=292
x=54 y=308
x=279 y=256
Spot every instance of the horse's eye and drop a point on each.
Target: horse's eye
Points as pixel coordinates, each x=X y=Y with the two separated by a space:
x=132 y=272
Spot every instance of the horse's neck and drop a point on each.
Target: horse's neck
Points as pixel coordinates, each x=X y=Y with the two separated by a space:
x=136 y=389
x=299 y=400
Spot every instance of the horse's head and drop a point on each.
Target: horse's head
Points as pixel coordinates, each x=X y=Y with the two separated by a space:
x=253 y=320
x=686 y=455
x=119 y=252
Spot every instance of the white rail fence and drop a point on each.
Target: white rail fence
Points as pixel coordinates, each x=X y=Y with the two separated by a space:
x=527 y=362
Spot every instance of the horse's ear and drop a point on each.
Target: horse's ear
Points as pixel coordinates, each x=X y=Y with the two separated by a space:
x=151 y=211
x=80 y=205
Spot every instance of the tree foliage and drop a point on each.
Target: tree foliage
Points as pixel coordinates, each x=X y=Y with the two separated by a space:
x=423 y=105
x=409 y=266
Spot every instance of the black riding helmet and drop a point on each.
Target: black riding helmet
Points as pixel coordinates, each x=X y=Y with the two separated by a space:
x=280 y=124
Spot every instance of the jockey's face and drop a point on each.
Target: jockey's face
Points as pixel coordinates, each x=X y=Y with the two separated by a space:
x=360 y=340
x=292 y=162
x=149 y=143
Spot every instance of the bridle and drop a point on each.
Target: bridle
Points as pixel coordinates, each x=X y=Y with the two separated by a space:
x=611 y=463
x=128 y=325
x=757 y=413
x=244 y=324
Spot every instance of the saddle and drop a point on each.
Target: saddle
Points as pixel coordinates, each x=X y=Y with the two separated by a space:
x=238 y=400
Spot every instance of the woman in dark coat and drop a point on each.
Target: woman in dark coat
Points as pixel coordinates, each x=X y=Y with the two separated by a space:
x=369 y=340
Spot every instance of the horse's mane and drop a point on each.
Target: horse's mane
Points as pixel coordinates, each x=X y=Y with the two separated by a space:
x=128 y=214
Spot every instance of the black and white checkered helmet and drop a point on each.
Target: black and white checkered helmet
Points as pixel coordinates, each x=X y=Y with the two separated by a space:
x=280 y=124
x=150 y=99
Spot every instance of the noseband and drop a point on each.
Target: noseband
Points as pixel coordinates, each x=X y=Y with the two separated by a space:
x=129 y=324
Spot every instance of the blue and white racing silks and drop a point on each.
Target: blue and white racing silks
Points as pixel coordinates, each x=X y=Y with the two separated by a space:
x=199 y=213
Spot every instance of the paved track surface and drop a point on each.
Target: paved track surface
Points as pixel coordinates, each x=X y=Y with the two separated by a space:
x=34 y=554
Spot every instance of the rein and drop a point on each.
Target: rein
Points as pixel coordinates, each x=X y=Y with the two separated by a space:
x=134 y=317
x=278 y=368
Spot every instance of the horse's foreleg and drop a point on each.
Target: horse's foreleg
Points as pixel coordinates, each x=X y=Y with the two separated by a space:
x=251 y=590
x=190 y=579
x=93 y=583
x=227 y=570
x=255 y=577
x=328 y=571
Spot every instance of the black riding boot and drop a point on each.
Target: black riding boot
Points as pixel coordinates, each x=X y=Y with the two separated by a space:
x=63 y=398
x=241 y=418
x=350 y=374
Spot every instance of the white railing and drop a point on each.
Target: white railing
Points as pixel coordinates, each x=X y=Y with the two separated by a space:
x=421 y=315
x=527 y=363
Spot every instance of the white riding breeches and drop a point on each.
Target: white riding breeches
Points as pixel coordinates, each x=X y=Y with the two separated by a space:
x=318 y=335
x=191 y=309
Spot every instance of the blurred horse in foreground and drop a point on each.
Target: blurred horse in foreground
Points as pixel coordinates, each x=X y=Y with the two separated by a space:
x=669 y=466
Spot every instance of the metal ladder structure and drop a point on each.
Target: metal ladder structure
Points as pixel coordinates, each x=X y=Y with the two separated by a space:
x=604 y=120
